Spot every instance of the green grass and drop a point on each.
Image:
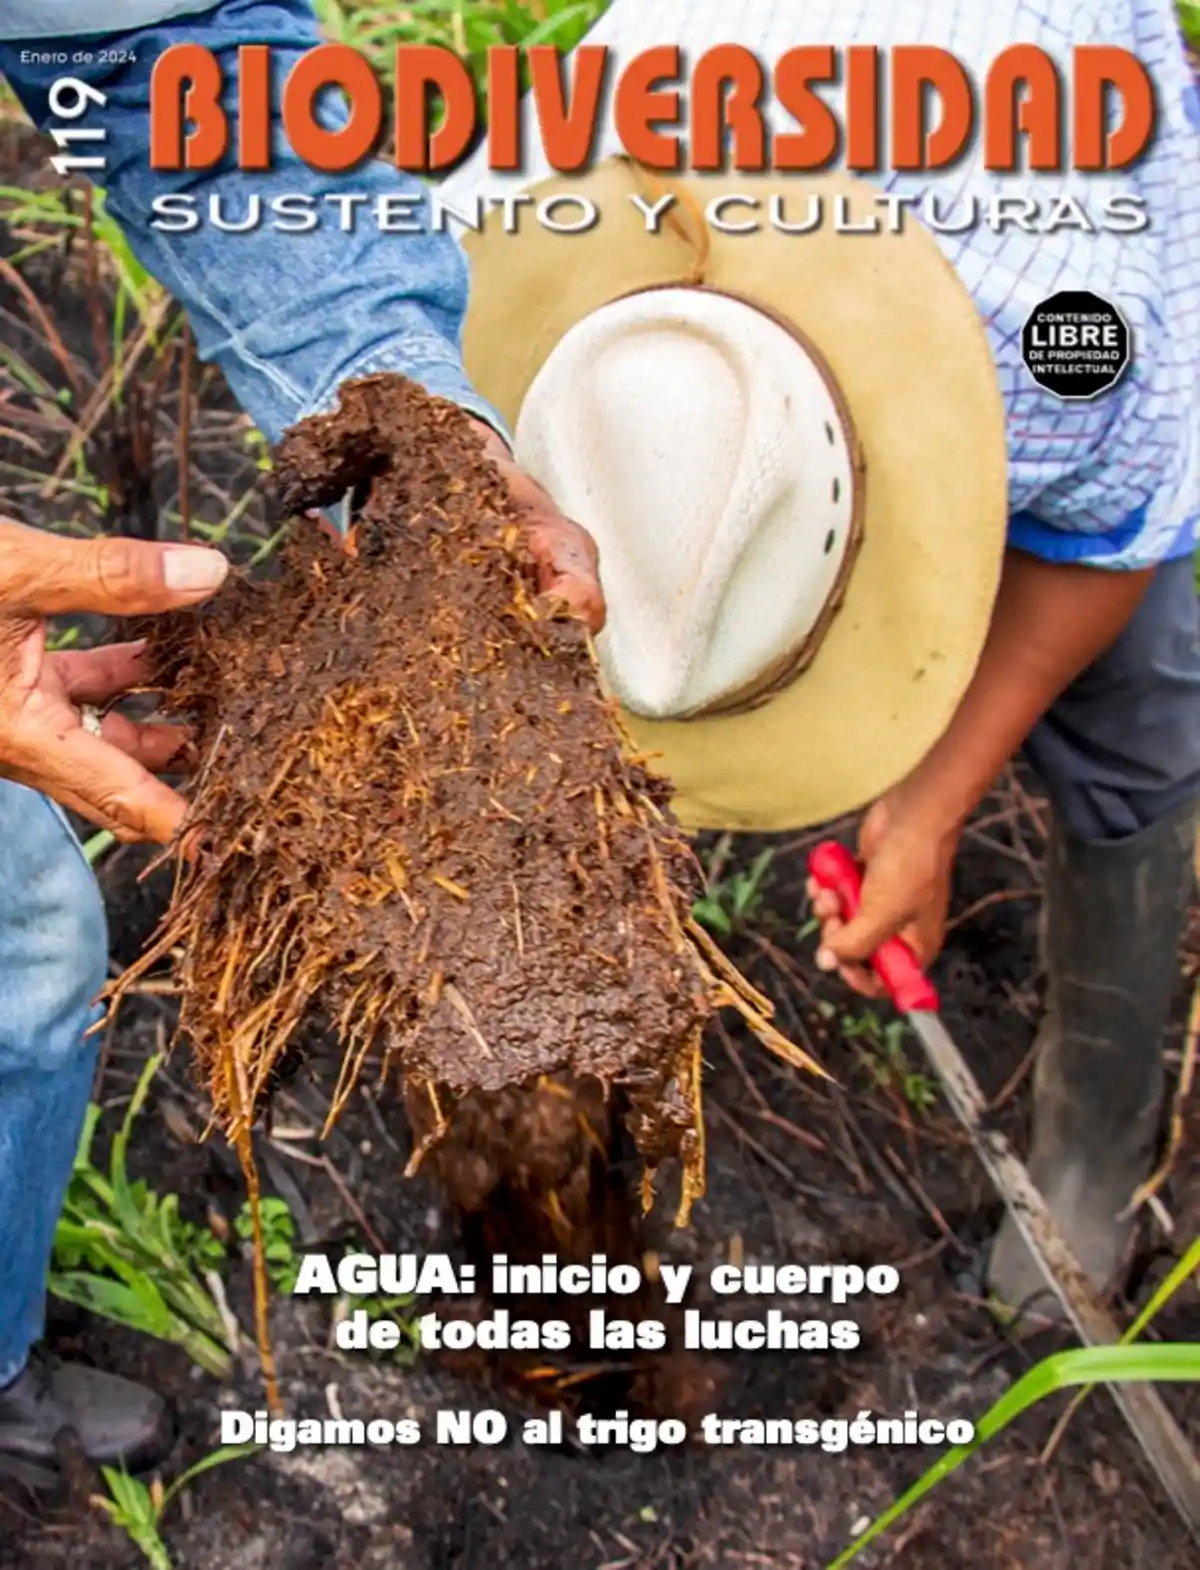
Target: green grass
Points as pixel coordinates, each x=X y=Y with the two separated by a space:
x=468 y=28
x=1083 y=1366
x=732 y=901
x=1132 y=1362
x=122 y=1251
x=881 y=1048
x=137 y=1508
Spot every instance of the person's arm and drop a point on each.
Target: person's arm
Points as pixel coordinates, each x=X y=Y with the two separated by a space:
x=287 y=316
x=1050 y=622
x=291 y=316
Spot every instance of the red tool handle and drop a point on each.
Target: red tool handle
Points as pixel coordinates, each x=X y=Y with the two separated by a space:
x=834 y=867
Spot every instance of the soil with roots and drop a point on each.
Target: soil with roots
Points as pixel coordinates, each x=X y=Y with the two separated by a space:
x=798 y=1171
x=415 y=818
x=413 y=813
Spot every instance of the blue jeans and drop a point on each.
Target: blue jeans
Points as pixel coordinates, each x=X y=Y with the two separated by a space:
x=1118 y=752
x=53 y=962
x=288 y=316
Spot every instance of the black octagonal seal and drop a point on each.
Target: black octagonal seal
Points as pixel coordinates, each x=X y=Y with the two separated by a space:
x=1076 y=345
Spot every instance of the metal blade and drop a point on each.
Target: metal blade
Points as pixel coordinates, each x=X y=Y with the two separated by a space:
x=1160 y=1437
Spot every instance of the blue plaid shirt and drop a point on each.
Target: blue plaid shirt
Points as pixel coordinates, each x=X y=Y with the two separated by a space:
x=1113 y=483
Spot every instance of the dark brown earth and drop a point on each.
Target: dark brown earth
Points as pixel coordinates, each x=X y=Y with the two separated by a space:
x=415 y=818
x=797 y=1170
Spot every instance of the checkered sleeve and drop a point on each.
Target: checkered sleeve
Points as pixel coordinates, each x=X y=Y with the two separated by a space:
x=1113 y=482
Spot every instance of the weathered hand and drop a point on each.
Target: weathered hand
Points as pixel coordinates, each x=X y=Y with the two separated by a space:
x=109 y=778
x=907 y=861
x=564 y=553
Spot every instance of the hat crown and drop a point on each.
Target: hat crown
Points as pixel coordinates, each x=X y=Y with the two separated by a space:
x=702 y=445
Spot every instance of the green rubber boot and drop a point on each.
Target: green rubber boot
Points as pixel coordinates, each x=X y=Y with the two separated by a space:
x=1115 y=915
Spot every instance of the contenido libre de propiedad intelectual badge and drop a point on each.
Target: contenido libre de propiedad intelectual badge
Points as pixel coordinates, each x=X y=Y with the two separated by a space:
x=1076 y=345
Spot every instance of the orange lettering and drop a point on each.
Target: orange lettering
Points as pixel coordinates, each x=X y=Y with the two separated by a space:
x=915 y=69
x=503 y=102
x=639 y=105
x=567 y=133
x=862 y=107
x=254 y=107
x=817 y=142
x=418 y=68
x=330 y=65
x=172 y=104
x=1098 y=69
x=713 y=109
x=1038 y=113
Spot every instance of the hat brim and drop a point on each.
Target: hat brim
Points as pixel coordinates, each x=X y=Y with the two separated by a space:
x=906 y=345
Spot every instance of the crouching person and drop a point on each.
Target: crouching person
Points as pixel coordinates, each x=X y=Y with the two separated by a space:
x=854 y=556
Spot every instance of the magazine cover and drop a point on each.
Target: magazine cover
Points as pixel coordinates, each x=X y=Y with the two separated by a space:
x=599 y=754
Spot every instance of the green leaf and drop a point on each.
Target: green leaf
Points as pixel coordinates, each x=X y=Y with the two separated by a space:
x=136 y=1102
x=554 y=29
x=749 y=886
x=132 y=1509
x=96 y=846
x=709 y=913
x=139 y=1309
x=132 y=1496
x=122 y=1251
x=83 y=1155
x=168 y=1226
x=1169 y=1363
x=207 y=1353
x=87 y=1239
x=1183 y=1270
x=214 y=1458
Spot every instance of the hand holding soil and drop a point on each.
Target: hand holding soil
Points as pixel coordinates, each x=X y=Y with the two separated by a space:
x=564 y=555
x=108 y=778
x=429 y=825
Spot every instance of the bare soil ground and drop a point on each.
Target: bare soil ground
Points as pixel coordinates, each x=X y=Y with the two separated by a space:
x=797 y=1171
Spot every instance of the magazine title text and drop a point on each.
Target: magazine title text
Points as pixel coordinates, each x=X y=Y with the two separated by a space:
x=912 y=108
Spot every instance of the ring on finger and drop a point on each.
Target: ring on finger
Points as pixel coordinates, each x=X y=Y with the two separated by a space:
x=90 y=718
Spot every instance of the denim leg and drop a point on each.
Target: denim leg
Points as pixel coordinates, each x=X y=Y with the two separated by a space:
x=1120 y=750
x=53 y=957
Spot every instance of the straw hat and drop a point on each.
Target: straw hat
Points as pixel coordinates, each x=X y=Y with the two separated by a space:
x=790 y=451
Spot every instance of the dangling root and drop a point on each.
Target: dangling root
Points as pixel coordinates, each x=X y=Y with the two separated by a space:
x=243 y=1142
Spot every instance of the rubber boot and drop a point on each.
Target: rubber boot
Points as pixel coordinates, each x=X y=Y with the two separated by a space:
x=114 y=1421
x=1114 y=921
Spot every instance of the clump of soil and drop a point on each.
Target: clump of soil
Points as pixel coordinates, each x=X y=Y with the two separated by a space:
x=535 y=1141
x=416 y=817
x=535 y=1171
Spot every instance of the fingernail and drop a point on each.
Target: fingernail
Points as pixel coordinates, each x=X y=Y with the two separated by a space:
x=826 y=960
x=189 y=568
